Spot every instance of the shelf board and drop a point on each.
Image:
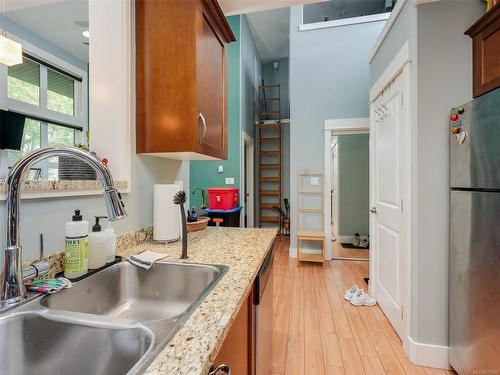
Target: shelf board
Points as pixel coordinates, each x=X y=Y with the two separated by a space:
x=309 y=234
x=310 y=257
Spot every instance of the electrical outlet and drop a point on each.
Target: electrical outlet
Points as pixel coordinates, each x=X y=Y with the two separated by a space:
x=220 y=169
x=314 y=181
x=229 y=180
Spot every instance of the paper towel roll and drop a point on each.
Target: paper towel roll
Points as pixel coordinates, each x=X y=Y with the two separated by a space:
x=166 y=214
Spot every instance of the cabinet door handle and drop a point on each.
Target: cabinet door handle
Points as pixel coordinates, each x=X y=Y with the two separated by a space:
x=220 y=369
x=373 y=210
x=204 y=135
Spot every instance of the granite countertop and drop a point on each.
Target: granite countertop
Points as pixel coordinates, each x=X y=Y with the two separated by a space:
x=196 y=344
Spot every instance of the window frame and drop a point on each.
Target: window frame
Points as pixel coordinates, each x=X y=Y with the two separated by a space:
x=344 y=21
x=77 y=121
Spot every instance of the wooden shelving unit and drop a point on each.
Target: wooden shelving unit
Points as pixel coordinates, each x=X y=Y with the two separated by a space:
x=310 y=235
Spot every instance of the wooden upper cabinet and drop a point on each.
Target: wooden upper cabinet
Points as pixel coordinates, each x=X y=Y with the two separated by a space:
x=181 y=95
x=485 y=34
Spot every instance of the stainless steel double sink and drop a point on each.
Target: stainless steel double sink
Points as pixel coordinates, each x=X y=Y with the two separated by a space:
x=113 y=322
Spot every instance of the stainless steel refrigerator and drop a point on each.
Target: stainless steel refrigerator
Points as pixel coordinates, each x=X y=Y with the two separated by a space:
x=474 y=304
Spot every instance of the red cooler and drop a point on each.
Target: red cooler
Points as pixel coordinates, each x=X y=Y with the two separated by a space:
x=223 y=198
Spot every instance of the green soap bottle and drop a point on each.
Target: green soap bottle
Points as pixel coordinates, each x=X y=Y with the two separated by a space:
x=76 y=248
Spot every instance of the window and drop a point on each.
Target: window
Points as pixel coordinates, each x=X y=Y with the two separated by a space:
x=60 y=93
x=52 y=103
x=24 y=82
x=341 y=9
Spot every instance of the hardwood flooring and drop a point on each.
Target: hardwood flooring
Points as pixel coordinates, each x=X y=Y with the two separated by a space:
x=317 y=332
x=339 y=251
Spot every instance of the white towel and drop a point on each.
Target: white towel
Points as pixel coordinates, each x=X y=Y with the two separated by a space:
x=146 y=259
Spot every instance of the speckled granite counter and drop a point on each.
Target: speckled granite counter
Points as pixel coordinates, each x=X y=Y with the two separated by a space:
x=195 y=345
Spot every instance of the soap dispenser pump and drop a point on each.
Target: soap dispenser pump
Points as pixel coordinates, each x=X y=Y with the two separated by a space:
x=98 y=241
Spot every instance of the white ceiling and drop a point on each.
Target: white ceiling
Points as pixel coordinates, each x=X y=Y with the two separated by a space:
x=271 y=31
x=61 y=22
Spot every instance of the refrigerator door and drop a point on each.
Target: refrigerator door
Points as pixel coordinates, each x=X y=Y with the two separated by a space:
x=475 y=163
x=474 y=323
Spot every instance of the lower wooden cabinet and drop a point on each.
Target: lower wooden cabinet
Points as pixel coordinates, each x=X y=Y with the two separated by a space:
x=237 y=349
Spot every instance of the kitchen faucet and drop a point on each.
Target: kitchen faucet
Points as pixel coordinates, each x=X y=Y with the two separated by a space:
x=12 y=290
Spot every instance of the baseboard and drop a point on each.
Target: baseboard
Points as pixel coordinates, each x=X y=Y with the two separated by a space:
x=428 y=355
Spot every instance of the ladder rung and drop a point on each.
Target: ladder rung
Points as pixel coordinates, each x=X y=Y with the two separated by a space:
x=270 y=179
x=269 y=192
x=268 y=205
x=269 y=139
x=269 y=166
x=271 y=152
x=270 y=219
x=277 y=124
x=269 y=86
x=269 y=113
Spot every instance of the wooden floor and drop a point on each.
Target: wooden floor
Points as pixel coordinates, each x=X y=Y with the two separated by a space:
x=339 y=251
x=317 y=332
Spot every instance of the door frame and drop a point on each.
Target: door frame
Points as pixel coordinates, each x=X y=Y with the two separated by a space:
x=336 y=127
x=335 y=166
x=248 y=153
x=401 y=64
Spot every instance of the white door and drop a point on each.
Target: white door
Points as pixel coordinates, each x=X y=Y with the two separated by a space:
x=388 y=191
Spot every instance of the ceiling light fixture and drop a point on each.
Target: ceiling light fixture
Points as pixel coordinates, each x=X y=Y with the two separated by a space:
x=11 y=52
x=86 y=34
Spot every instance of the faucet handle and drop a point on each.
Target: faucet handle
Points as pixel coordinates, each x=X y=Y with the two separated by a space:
x=41 y=255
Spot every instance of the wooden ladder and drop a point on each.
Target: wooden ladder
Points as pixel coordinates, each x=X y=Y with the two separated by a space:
x=269 y=155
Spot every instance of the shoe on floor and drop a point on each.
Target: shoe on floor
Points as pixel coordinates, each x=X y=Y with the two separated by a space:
x=349 y=293
x=363 y=299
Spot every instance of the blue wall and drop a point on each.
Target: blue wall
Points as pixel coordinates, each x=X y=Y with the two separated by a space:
x=329 y=78
x=250 y=67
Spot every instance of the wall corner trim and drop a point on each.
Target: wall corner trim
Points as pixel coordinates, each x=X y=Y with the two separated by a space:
x=391 y=72
x=292 y=252
x=428 y=355
x=387 y=27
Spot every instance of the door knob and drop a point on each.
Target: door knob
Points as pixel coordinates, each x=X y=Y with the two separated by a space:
x=373 y=210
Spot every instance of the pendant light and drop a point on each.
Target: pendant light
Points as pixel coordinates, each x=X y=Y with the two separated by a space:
x=11 y=52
